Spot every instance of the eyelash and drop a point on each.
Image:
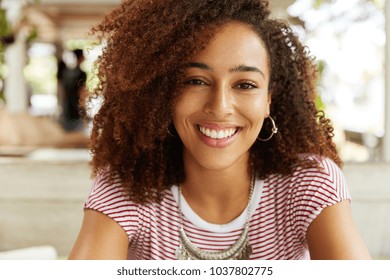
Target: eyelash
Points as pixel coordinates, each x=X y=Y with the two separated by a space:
x=247 y=85
x=195 y=82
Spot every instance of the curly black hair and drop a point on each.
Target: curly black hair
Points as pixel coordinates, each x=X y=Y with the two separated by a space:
x=148 y=45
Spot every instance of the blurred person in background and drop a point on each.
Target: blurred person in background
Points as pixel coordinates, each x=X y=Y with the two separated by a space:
x=71 y=89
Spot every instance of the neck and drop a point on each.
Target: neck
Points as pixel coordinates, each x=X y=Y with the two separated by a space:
x=217 y=196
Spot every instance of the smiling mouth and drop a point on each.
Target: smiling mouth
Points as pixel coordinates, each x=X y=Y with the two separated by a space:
x=218 y=134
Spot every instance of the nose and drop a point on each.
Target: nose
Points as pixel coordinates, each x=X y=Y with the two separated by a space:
x=220 y=102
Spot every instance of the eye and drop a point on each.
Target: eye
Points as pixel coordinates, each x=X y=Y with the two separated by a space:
x=246 y=85
x=195 y=82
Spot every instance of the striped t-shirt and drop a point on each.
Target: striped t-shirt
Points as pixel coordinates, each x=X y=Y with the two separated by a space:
x=282 y=208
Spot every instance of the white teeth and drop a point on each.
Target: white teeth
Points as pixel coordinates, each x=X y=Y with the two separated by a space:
x=220 y=134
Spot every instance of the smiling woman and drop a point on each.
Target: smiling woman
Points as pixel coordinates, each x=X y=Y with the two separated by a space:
x=208 y=144
x=223 y=93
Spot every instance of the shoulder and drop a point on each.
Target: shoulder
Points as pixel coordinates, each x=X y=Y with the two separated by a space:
x=313 y=189
x=325 y=176
x=109 y=197
x=105 y=192
x=309 y=189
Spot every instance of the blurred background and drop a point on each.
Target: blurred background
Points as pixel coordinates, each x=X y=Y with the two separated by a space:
x=44 y=172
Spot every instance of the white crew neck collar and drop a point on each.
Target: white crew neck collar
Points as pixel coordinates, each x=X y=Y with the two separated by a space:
x=236 y=224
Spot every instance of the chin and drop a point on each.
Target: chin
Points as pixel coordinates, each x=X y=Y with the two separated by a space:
x=220 y=163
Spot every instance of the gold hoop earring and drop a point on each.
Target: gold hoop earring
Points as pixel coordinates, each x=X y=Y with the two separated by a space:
x=274 y=130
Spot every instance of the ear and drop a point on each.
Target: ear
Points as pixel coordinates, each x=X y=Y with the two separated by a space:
x=268 y=106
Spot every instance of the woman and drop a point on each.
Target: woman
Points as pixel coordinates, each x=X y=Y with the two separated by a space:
x=208 y=144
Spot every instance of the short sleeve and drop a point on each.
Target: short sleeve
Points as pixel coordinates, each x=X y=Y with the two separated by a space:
x=314 y=189
x=108 y=197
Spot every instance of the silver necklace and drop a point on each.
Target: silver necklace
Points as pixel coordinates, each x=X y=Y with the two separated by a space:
x=240 y=250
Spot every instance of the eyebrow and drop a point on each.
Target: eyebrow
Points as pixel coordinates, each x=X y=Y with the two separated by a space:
x=245 y=68
x=199 y=65
x=239 y=68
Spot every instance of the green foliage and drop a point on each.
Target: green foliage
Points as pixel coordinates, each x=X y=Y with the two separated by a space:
x=6 y=37
x=5 y=28
x=320 y=105
x=32 y=35
x=5 y=31
x=317 y=3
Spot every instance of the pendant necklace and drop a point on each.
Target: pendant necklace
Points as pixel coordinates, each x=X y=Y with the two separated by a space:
x=240 y=250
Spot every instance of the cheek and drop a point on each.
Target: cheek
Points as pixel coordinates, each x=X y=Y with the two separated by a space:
x=181 y=110
x=178 y=106
x=185 y=105
x=256 y=109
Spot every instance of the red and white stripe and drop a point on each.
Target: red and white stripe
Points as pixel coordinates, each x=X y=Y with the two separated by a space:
x=278 y=224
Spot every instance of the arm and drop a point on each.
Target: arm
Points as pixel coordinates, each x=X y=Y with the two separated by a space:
x=100 y=237
x=333 y=235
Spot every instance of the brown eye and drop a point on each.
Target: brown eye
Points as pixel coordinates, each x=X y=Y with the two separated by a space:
x=195 y=82
x=246 y=85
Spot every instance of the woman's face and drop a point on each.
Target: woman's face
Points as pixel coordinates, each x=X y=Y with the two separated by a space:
x=223 y=99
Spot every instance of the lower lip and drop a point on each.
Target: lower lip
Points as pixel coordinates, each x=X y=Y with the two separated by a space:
x=217 y=143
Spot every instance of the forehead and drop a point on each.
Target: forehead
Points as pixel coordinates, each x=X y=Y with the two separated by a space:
x=234 y=43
